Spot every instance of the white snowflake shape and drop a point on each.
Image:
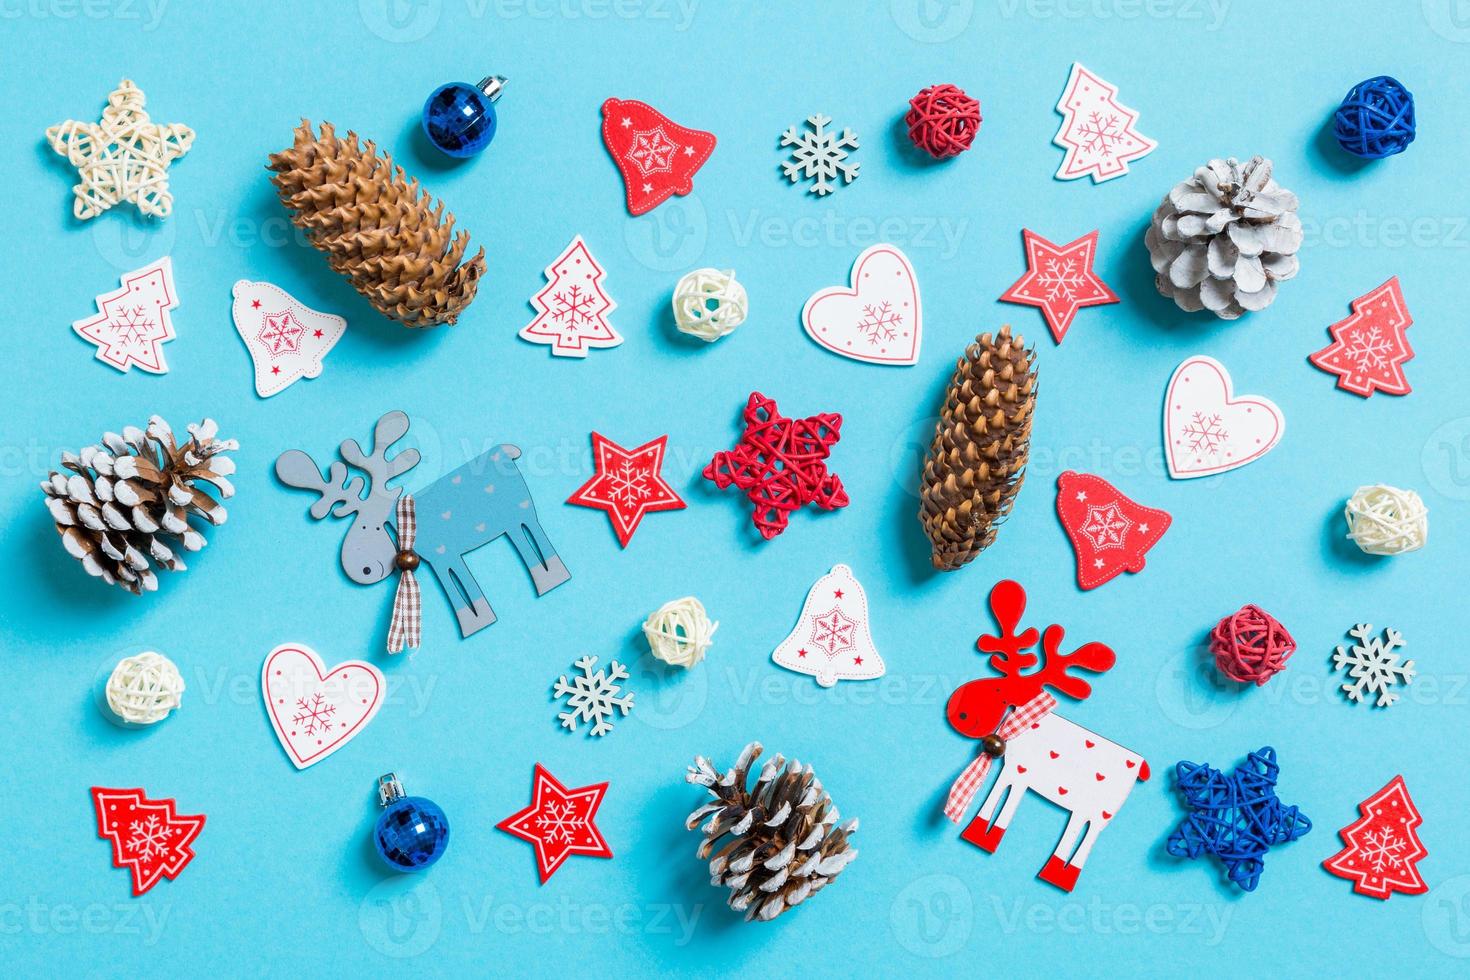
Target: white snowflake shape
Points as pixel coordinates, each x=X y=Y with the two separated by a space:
x=573 y=306
x=1205 y=433
x=561 y=821
x=592 y=696
x=1106 y=526
x=1383 y=850
x=819 y=155
x=314 y=715
x=148 y=838
x=1060 y=278
x=1368 y=349
x=1099 y=134
x=879 y=323
x=628 y=483
x=833 y=632
x=1372 y=664
x=652 y=150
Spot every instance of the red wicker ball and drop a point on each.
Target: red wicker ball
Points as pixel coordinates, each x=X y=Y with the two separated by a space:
x=1250 y=646
x=943 y=120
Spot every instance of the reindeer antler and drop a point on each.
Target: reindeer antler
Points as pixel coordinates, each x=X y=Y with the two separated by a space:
x=295 y=468
x=1094 y=656
x=1011 y=652
x=1007 y=604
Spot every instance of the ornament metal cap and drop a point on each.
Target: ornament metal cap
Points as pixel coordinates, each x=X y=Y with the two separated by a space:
x=389 y=789
x=492 y=85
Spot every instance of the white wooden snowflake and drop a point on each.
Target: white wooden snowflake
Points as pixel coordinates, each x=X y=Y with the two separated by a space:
x=819 y=155
x=593 y=695
x=1372 y=664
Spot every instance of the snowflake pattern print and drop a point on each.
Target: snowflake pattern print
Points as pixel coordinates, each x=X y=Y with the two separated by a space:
x=149 y=838
x=1373 y=665
x=628 y=484
x=833 y=632
x=1060 y=279
x=1106 y=527
x=313 y=714
x=819 y=155
x=652 y=151
x=880 y=324
x=1205 y=434
x=1099 y=134
x=132 y=323
x=559 y=822
x=593 y=696
x=281 y=333
x=572 y=309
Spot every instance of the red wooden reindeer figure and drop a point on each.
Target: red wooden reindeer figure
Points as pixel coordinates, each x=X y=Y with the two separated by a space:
x=1013 y=717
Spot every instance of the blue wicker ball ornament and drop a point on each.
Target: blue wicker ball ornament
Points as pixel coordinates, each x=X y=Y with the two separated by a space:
x=1376 y=119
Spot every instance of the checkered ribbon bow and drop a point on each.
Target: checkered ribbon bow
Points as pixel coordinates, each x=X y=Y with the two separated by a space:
x=407 y=625
x=968 y=783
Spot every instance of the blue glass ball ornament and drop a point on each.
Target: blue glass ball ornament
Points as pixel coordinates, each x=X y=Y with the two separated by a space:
x=459 y=118
x=1376 y=119
x=412 y=832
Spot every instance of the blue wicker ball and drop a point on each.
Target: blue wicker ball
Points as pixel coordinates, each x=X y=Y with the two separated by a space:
x=1376 y=119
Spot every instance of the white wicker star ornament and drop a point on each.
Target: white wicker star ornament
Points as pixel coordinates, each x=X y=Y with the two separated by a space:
x=124 y=157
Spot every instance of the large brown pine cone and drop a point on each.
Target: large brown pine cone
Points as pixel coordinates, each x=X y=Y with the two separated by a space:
x=393 y=242
x=975 y=465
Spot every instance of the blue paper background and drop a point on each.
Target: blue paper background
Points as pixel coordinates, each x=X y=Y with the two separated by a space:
x=285 y=881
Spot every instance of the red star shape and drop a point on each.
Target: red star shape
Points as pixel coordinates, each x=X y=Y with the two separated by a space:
x=1059 y=280
x=276 y=370
x=255 y=304
x=316 y=333
x=837 y=593
x=559 y=822
x=781 y=464
x=627 y=484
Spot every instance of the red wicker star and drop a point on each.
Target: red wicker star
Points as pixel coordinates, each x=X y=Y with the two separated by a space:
x=627 y=484
x=1059 y=280
x=559 y=822
x=780 y=463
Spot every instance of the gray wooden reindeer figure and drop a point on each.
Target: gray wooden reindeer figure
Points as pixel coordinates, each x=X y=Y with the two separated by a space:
x=459 y=512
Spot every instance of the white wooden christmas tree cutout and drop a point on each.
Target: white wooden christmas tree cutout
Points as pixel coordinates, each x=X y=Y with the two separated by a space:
x=831 y=640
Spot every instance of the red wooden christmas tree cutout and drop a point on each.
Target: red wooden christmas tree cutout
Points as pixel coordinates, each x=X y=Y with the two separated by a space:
x=656 y=156
x=1059 y=280
x=1109 y=532
x=1369 y=348
x=1383 y=849
x=559 y=822
x=781 y=464
x=627 y=484
x=148 y=837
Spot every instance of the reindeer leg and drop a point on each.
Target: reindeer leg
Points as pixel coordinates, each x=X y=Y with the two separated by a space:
x=981 y=832
x=1058 y=870
x=471 y=608
x=539 y=557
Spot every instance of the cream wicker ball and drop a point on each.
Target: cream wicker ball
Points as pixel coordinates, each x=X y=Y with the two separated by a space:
x=1384 y=520
x=680 y=632
x=144 y=689
x=709 y=304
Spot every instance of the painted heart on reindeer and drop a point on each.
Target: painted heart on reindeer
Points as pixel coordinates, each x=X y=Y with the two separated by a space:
x=315 y=710
x=877 y=318
x=1207 y=429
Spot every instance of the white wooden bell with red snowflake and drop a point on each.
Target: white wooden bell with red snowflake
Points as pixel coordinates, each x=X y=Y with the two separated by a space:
x=832 y=640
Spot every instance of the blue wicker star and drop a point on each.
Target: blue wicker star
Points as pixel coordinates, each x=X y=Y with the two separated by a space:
x=1237 y=817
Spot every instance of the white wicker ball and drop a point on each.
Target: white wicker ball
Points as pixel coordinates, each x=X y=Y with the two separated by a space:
x=144 y=689
x=1384 y=520
x=680 y=632
x=709 y=304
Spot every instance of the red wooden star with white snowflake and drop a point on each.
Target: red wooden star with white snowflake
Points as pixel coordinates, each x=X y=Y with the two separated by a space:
x=559 y=822
x=627 y=484
x=1369 y=348
x=1059 y=280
